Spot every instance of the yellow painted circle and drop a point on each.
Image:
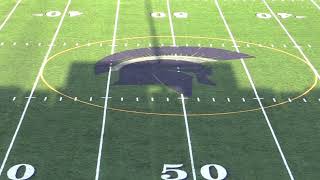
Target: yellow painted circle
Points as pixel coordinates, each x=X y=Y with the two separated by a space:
x=177 y=114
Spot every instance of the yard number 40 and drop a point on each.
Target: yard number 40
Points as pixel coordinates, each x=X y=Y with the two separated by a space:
x=168 y=169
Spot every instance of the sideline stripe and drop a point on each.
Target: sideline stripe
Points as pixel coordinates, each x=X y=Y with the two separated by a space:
x=255 y=91
x=317 y=5
x=182 y=100
x=292 y=40
x=171 y=24
x=188 y=136
x=9 y=15
x=34 y=87
x=105 y=108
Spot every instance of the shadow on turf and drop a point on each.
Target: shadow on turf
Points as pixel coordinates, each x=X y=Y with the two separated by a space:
x=83 y=84
x=79 y=124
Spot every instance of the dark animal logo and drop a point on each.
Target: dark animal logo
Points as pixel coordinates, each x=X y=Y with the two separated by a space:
x=170 y=66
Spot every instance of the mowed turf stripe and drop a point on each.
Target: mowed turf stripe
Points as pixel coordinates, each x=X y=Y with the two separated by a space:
x=256 y=93
x=34 y=87
x=105 y=108
x=9 y=15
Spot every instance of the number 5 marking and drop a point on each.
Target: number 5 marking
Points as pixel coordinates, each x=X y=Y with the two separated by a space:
x=181 y=175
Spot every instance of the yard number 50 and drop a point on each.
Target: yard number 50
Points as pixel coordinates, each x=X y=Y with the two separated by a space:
x=221 y=172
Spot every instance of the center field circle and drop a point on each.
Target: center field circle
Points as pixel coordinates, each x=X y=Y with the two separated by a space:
x=174 y=113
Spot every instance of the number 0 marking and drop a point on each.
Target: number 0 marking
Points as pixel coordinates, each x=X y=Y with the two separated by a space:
x=53 y=13
x=28 y=173
x=221 y=172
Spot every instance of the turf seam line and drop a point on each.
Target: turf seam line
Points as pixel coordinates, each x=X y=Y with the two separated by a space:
x=105 y=108
x=34 y=87
x=292 y=39
x=9 y=15
x=255 y=92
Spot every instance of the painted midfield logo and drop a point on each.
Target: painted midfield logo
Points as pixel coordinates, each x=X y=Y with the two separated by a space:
x=174 y=67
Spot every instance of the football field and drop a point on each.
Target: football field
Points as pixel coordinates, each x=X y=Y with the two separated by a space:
x=159 y=90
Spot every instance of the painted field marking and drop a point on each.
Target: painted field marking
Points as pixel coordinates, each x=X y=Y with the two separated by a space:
x=315 y=4
x=105 y=108
x=10 y=14
x=292 y=39
x=255 y=92
x=34 y=87
x=171 y=24
x=182 y=100
x=188 y=136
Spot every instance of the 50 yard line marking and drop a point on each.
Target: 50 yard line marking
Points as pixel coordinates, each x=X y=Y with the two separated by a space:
x=9 y=15
x=105 y=108
x=255 y=92
x=35 y=84
x=171 y=24
x=182 y=101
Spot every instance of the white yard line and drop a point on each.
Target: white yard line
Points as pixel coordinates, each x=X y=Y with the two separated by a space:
x=105 y=108
x=9 y=15
x=314 y=2
x=188 y=137
x=292 y=40
x=34 y=87
x=171 y=24
x=182 y=100
x=255 y=92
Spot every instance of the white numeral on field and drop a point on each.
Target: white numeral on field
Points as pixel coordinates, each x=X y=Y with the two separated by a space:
x=179 y=15
x=282 y=15
x=53 y=14
x=221 y=172
x=158 y=14
x=174 y=168
x=208 y=172
x=28 y=172
x=57 y=14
